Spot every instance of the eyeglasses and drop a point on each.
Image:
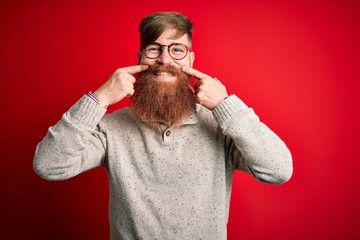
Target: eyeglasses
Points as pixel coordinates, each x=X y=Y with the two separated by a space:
x=177 y=51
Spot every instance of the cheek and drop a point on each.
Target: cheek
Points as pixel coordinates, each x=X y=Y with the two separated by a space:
x=144 y=60
x=184 y=62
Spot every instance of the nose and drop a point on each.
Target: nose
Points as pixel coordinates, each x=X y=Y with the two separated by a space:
x=165 y=57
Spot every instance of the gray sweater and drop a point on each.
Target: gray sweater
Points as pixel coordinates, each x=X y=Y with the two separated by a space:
x=165 y=183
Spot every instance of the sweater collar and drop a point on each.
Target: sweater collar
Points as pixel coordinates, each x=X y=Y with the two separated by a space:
x=194 y=117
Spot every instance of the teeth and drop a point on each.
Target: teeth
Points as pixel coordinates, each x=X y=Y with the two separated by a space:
x=164 y=74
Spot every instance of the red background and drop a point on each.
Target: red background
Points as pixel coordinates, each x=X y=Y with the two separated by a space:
x=295 y=62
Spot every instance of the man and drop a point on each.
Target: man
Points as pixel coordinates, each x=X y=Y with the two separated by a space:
x=170 y=156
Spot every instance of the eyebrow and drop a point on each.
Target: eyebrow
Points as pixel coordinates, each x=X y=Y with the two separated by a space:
x=166 y=44
x=172 y=44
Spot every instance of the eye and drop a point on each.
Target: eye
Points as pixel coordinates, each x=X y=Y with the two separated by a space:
x=178 y=49
x=153 y=48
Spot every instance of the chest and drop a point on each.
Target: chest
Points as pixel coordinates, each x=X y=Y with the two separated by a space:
x=178 y=157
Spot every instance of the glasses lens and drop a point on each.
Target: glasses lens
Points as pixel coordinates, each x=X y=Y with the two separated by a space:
x=153 y=50
x=178 y=51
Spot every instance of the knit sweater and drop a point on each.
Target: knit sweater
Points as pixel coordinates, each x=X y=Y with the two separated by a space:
x=165 y=183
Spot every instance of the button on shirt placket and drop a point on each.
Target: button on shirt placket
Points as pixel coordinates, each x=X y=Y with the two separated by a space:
x=167 y=135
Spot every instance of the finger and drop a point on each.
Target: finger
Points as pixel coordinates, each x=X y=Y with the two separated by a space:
x=131 y=79
x=135 y=69
x=130 y=93
x=193 y=72
x=122 y=75
x=197 y=85
x=130 y=90
x=208 y=81
x=218 y=81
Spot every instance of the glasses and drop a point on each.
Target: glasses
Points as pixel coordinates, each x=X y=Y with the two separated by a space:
x=177 y=51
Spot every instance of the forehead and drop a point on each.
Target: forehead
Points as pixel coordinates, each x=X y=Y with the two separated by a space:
x=170 y=35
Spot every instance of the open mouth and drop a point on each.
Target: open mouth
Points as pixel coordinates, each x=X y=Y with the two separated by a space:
x=164 y=74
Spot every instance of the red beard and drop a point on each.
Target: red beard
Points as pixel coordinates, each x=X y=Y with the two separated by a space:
x=156 y=102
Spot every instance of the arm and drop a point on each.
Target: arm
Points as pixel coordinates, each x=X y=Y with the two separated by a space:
x=250 y=145
x=76 y=144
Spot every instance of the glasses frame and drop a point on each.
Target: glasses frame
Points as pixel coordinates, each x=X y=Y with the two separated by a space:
x=188 y=49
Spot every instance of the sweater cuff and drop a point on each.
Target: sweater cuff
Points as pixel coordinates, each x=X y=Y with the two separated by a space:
x=87 y=111
x=227 y=108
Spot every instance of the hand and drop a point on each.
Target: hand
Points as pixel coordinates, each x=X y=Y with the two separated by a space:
x=209 y=91
x=119 y=85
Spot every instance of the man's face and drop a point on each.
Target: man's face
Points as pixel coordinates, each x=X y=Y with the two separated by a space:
x=167 y=38
x=163 y=93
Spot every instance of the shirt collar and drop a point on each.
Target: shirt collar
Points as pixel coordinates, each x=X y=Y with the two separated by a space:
x=194 y=117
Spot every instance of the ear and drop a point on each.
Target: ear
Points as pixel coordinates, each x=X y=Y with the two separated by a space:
x=192 y=58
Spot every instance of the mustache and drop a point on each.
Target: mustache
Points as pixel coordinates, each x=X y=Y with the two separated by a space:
x=158 y=68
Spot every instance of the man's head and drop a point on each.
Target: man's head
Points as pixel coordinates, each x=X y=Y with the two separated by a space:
x=166 y=28
x=163 y=93
x=152 y=26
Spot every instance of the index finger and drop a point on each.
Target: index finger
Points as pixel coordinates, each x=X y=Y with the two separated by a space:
x=193 y=72
x=135 y=69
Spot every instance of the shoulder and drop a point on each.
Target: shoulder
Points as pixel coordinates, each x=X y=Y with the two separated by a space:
x=203 y=113
x=206 y=117
x=122 y=117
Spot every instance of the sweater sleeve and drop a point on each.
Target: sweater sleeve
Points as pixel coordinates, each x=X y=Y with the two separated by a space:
x=250 y=145
x=74 y=145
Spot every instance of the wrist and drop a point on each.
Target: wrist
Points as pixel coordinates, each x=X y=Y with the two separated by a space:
x=97 y=99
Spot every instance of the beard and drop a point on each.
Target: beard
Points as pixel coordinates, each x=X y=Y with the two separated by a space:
x=159 y=102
